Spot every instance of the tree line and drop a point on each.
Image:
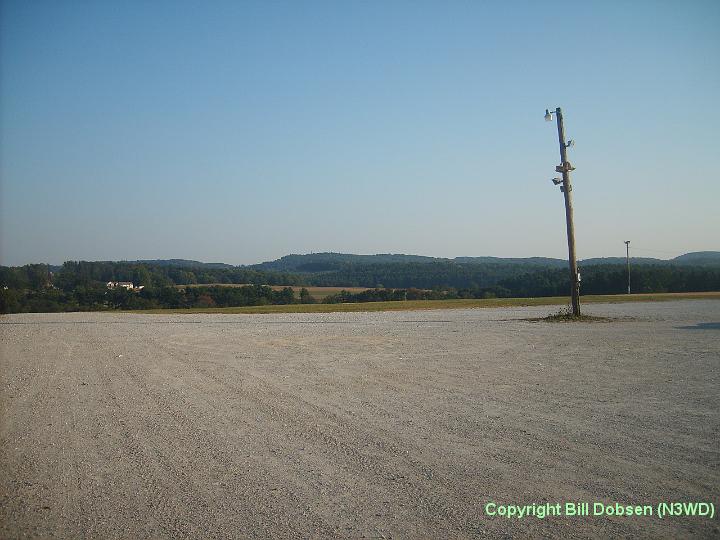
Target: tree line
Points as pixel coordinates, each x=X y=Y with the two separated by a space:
x=442 y=274
x=75 y=273
x=523 y=280
x=100 y=298
x=82 y=286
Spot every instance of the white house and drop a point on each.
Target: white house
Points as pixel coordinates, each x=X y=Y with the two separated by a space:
x=126 y=284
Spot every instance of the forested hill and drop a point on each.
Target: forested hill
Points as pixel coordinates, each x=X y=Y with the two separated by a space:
x=326 y=262
x=527 y=261
x=182 y=263
x=313 y=263
x=701 y=258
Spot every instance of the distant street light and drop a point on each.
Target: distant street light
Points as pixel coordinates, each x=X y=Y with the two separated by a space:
x=565 y=167
x=627 y=258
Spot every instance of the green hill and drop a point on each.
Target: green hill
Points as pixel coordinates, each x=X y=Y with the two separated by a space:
x=315 y=263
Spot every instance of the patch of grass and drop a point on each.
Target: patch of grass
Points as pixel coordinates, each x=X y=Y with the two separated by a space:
x=412 y=305
x=566 y=315
x=319 y=293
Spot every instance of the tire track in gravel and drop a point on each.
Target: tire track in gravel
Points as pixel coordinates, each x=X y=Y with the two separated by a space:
x=50 y=474
x=498 y=452
x=382 y=459
x=232 y=501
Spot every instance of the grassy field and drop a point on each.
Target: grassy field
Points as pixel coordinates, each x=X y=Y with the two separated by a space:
x=411 y=305
x=317 y=292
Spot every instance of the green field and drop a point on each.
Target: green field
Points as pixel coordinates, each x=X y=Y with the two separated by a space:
x=318 y=293
x=411 y=305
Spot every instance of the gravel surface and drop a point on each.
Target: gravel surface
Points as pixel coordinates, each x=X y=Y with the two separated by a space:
x=356 y=425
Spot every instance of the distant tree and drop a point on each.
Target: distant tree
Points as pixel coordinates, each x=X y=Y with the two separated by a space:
x=205 y=300
x=306 y=297
x=142 y=276
x=10 y=301
x=285 y=296
x=415 y=294
x=38 y=276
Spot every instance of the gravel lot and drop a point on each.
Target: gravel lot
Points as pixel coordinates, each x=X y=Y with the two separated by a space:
x=356 y=425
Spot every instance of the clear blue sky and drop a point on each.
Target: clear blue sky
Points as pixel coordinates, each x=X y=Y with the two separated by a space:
x=243 y=131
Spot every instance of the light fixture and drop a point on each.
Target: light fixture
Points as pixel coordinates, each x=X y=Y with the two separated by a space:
x=548 y=115
x=557 y=181
x=570 y=143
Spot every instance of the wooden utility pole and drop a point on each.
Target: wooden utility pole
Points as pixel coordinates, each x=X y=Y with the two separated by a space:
x=627 y=258
x=565 y=167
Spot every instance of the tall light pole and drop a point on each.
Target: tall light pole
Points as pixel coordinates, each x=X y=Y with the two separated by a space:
x=627 y=258
x=565 y=167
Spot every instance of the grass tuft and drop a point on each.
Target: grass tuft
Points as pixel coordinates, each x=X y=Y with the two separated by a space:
x=565 y=314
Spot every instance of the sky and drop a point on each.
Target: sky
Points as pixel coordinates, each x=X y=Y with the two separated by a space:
x=242 y=131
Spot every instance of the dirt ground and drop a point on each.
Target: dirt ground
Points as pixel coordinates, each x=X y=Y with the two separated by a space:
x=357 y=425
